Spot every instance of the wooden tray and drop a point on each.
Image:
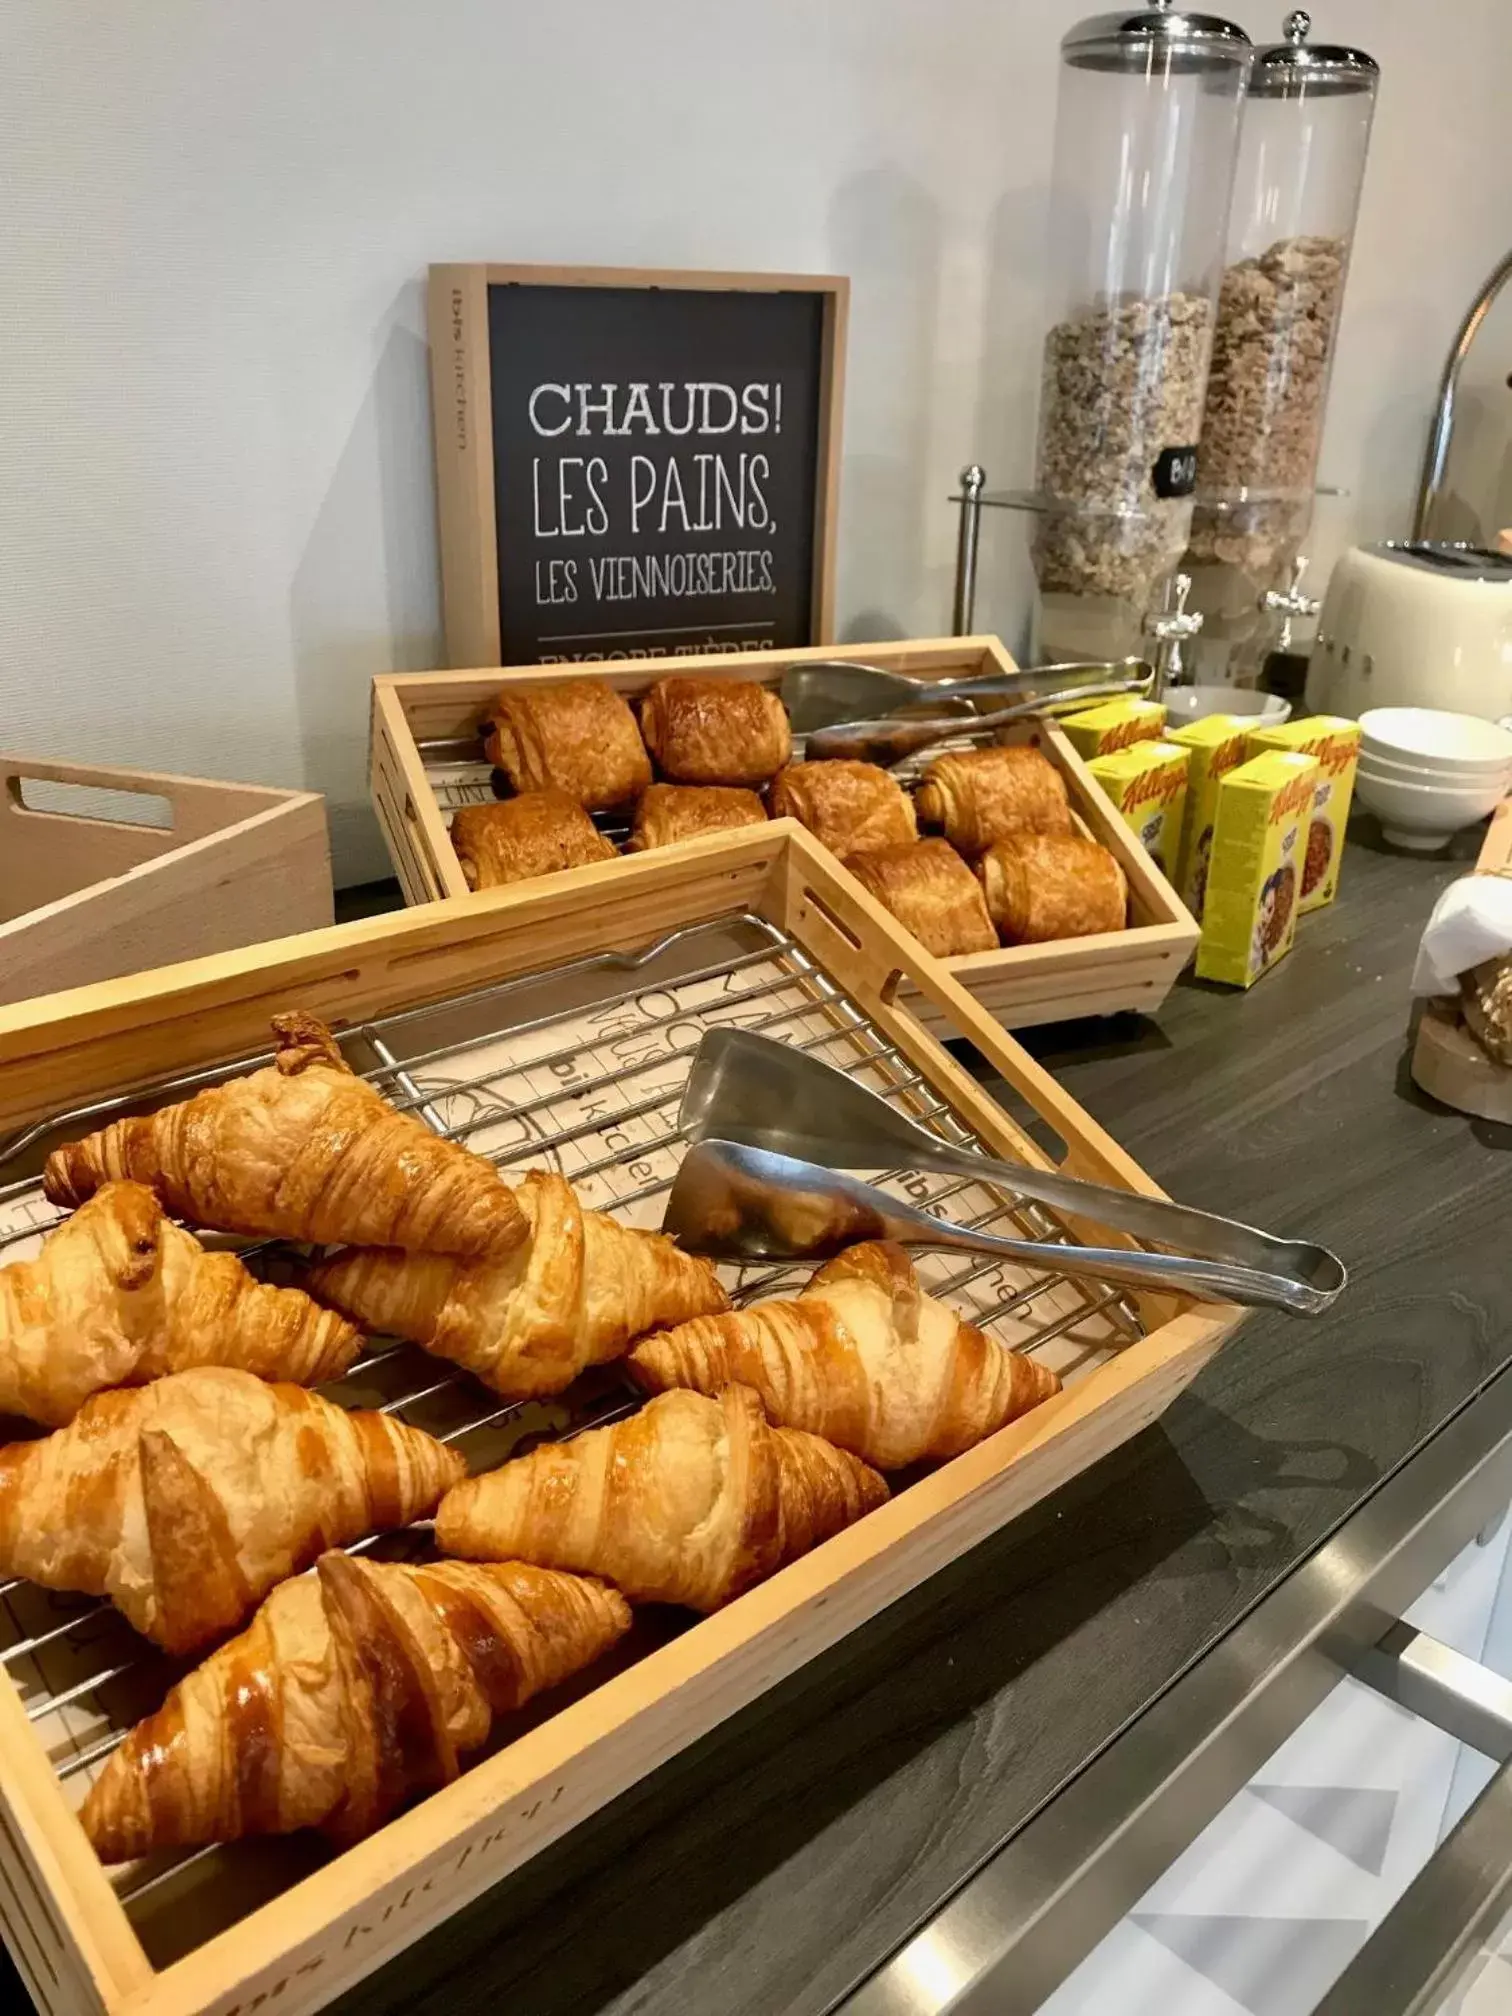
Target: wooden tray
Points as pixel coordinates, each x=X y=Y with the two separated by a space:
x=85 y=896
x=1447 y=1062
x=257 y=1927
x=427 y=759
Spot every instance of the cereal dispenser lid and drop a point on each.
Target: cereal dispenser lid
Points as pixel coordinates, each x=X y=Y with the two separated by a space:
x=1133 y=41
x=1297 y=68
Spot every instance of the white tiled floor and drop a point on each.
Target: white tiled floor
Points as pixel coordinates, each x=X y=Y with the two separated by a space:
x=1267 y=1906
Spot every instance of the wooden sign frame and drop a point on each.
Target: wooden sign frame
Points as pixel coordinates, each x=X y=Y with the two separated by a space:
x=462 y=406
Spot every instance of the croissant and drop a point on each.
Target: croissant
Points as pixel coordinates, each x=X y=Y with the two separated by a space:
x=352 y=1689
x=849 y=807
x=982 y=795
x=669 y=812
x=572 y=1296
x=303 y=1149
x=689 y=1501
x=579 y=737
x=537 y=833
x=863 y=1357
x=119 y=1295
x=186 y=1501
x=930 y=890
x=715 y=731
x=1052 y=885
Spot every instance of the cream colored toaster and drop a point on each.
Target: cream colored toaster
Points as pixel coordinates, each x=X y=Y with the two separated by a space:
x=1415 y=625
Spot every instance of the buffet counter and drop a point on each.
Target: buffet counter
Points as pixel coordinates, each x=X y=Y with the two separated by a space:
x=778 y=1866
x=950 y=1807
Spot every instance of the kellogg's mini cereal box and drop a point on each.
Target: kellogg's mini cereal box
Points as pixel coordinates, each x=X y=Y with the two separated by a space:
x=1255 y=878
x=1113 y=724
x=1335 y=742
x=1215 y=745
x=1148 y=783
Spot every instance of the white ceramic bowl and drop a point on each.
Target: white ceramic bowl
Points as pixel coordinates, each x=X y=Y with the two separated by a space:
x=1460 y=744
x=1422 y=817
x=1408 y=770
x=1185 y=704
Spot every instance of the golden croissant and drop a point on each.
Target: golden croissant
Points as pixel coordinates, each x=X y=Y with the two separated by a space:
x=119 y=1295
x=574 y=1295
x=352 y=1689
x=303 y=1149
x=186 y=1501
x=689 y=1501
x=863 y=1357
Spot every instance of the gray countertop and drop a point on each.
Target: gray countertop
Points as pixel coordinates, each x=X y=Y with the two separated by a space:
x=775 y=1865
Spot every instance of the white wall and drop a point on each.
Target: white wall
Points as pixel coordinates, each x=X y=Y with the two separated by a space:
x=215 y=498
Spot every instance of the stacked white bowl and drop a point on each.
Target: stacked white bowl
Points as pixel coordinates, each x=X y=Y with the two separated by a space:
x=1426 y=773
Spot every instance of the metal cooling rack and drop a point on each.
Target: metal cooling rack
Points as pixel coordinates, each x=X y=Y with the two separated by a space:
x=590 y=1089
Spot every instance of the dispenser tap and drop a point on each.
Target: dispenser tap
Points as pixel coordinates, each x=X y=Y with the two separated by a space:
x=1171 y=629
x=1290 y=604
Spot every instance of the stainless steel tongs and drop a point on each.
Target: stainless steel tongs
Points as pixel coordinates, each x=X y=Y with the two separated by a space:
x=888 y=741
x=820 y=693
x=776 y=1126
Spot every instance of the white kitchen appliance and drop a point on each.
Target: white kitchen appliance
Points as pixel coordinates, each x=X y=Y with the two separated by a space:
x=1415 y=624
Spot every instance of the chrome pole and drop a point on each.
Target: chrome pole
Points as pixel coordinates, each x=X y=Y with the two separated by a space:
x=1437 y=457
x=973 y=482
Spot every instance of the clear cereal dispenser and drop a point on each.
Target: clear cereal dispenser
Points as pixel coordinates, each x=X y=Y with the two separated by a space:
x=1302 y=149
x=1146 y=133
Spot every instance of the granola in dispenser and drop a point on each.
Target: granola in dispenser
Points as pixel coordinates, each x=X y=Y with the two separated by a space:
x=1263 y=420
x=1123 y=386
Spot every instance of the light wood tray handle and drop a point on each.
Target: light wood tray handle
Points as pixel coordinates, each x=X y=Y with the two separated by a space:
x=14 y=773
x=197 y=806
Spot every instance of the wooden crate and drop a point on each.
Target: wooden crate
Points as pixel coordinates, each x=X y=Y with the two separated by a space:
x=417 y=715
x=84 y=897
x=62 y=1918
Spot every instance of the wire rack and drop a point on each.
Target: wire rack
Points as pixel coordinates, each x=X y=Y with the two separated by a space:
x=581 y=1072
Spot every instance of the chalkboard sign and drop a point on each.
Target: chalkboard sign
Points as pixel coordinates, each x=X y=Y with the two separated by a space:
x=632 y=464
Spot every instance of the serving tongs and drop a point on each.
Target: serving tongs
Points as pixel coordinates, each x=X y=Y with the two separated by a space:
x=825 y=691
x=773 y=1127
x=890 y=741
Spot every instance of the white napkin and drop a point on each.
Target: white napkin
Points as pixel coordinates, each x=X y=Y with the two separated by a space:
x=1471 y=921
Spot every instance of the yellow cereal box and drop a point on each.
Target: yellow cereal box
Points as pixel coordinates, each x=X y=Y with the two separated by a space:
x=1336 y=744
x=1259 y=846
x=1113 y=724
x=1215 y=745
x=1148 y=782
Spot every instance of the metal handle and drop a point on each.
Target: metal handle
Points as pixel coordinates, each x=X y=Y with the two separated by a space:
x=1315 y=1277
x=1009 y=683
x=1436 y=456
x=1210 y=1280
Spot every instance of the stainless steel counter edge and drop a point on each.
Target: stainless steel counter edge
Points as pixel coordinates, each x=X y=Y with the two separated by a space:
x=1019 y=1926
